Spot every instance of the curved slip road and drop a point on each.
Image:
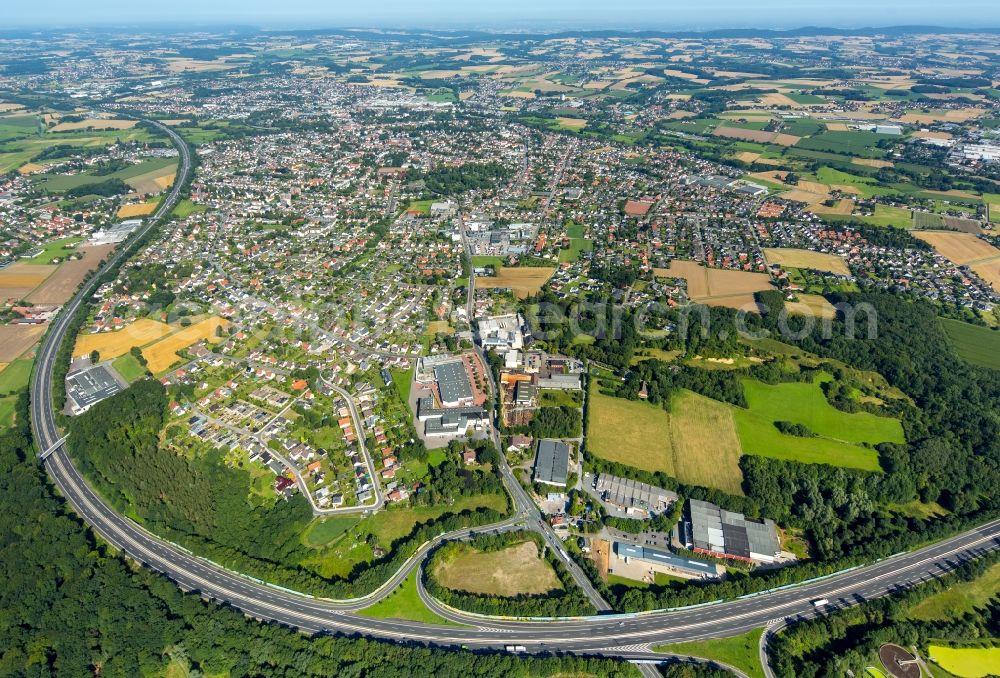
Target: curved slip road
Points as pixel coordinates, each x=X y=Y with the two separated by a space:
x=627 y=636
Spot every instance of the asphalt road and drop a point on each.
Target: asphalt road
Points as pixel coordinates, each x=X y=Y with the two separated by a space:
x=626 y=636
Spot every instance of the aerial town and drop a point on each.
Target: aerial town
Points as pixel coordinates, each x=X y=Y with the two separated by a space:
x=576 y=301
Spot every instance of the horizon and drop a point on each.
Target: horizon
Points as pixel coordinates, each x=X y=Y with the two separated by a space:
x=514 y=15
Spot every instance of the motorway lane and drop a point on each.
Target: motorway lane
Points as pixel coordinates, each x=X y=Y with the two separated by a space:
x=627 y=636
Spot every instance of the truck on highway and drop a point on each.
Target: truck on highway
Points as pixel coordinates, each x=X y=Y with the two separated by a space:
x=820 y=602
x=515 y=648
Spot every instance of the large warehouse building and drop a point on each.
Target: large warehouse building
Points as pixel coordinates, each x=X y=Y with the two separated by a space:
x=552 y=462
x=717 y=532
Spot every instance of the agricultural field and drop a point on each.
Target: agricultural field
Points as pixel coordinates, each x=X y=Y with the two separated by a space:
x=966 y=662
x=812 y=305
x=797 y=258
x=60 y=287
x=16 y=339
x=19 y=279
x=696 y=442
x=889 y=216
x=162 y=354
x=839 y=435
x=513 y=571
x=977 y=345
x=148 y=176
x=137 y=210
x=93 y=124
x=114 y=344
x=715 y=286
x=523 y=280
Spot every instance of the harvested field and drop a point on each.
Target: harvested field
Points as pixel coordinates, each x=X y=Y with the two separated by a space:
x=812 y=305
x=19 y=279
x=94 y=123
x=16 y=339
x=60 y=287
x=114 y=344
x=802 y=195
x=960 y=248
x=756 y=135
x=153 y=181
x=843 y=207
x=139 y=210
x=516 y=570
x=872 y=162
x=798 y=258
x=837 y=127
x=717 y=287
x=964 y=225
x=747 y=156
x=163 y=353
x=775 y=99
x=927 y=134
x=524 y=280
x=680 y=115
x=949 y=115
x=572 y=123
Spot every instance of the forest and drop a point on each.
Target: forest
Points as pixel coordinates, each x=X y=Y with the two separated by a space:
x=207 y=506
x=75 y=607
x=952 y=454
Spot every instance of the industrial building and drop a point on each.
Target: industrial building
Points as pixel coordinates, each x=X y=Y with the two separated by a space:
x=552 y=462
x=717 y=532
x=447 y=421
x=631 y=496
x=89 y=386
x=664 y=561
x=453 y=383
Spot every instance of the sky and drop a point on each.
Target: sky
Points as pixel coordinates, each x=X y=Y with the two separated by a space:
x=503 y=14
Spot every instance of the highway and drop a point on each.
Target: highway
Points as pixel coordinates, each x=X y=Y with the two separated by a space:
x=627 y=636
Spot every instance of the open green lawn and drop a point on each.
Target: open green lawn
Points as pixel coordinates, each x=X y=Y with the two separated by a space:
x=576 y=246
x=186 y=208
x=867 y=185
x=840 y=435
x=421 y=206
x=886 y=215
x=15 y=376
x=403 y=379
x=129 y=367
x=552 y=397
x=977 y=345
x=739 y=651
x=56 y=249
x=481 y=261
x=405 y=603
x=960 y=598
x=7 y=411
x=324 y=530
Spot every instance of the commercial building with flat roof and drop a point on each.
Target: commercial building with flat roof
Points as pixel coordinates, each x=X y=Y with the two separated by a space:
x=665 y=559
x=89 y=386
x=715 y=531
x=453 y=383
x=552 y=462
